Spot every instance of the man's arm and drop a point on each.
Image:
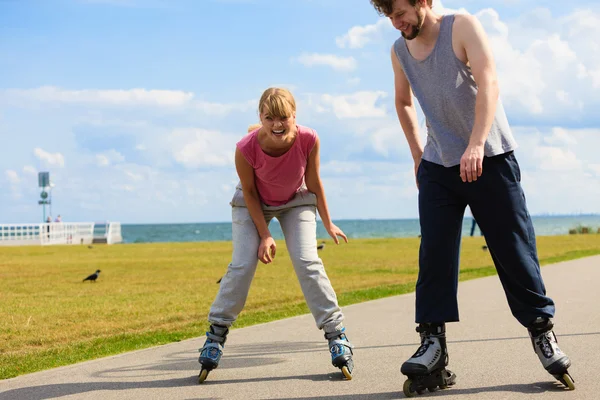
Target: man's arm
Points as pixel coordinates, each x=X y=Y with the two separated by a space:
x=406 y=111
x=473 y=40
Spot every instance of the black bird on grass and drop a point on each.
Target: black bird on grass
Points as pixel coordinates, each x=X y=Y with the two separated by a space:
x=93 y=276
x=321 y=246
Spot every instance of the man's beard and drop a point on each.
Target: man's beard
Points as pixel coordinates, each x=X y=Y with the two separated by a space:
x=416 y=28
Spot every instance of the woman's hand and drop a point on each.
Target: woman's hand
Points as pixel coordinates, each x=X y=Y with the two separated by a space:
x=334 y=232
x=266 y=250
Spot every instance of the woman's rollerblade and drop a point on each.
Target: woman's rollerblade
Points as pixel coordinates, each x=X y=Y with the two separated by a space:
x=341 y=352
x=426 y=369
x=546 y=347
x=211 y=352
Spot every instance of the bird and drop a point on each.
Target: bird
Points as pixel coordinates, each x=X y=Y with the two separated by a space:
x=93 y=276
x=321 y=246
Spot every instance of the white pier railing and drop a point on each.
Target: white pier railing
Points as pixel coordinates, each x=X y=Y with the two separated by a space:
x=57 y=233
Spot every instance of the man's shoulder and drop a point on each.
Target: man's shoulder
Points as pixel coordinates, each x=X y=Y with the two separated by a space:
x=399 y=41
x=465 y=22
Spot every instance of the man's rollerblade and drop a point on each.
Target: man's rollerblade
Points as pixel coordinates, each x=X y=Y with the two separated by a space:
x=341 y=352
x=426 y=369
x=546 y=347
x=211 y=352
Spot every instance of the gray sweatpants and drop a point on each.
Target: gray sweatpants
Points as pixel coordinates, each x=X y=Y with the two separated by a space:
x=298 y=221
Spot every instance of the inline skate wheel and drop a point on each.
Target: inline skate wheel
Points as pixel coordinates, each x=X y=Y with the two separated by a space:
x=568 y=381
x=407 y=390
x=203 y=375
x=346 y=373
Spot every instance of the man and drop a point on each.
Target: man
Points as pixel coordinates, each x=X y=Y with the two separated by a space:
x=467 y=160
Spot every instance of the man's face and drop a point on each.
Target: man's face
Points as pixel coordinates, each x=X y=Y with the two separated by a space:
x=407 y=19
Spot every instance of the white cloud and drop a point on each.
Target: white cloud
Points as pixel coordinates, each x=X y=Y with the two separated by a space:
x=556 y=159
x=134 y=176
x=94 y=100
x=358 y=36
x=131 y=97
x=194 y=148
x=341 y=167
x=362 y=104
x=30 y=170
x=595 y=168
x=338 y=63
x=224 y=109
x=546 y=65
x=12 y=176
x=559 y=169
x=51 y=159
x=110 y=157
x=561 y=136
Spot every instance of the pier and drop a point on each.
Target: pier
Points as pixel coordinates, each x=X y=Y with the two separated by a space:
x=60 y=233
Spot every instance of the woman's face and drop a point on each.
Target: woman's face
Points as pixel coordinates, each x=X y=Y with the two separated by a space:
x=278 y=128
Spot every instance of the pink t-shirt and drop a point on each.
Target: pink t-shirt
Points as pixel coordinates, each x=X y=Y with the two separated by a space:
x=277 y=179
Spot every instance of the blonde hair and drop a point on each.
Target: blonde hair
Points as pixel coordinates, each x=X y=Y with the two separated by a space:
x=254 y=127
x=277 y=102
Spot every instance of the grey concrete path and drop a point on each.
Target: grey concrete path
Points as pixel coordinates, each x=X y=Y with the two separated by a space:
x=489 y=352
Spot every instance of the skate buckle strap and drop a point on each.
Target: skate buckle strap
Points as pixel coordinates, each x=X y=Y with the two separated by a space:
x=431 y=329
x=341 y=342
x=337 y=333
x=209 y=345
x=215 y=338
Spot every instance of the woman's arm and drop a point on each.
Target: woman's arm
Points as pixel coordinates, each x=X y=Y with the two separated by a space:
x=267 y=248
x=314 y=185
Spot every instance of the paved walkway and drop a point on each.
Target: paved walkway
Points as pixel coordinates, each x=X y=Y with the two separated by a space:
x=489 y=352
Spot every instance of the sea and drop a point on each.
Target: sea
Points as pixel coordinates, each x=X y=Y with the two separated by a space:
x=359 y=228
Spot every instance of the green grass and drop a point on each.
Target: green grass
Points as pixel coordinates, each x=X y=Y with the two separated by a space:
x=151 y=294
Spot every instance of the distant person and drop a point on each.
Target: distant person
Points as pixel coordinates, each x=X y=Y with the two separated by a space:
x=447 y=64
x=278 y=167
x=58 y=218
x=473 y=226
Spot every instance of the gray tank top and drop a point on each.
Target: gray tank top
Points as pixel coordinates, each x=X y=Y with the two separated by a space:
x=446 y=91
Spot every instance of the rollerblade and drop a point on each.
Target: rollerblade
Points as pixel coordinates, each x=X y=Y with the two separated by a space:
x=546 y=347
x=341 y=352
x=211 y=352
x=426 y=369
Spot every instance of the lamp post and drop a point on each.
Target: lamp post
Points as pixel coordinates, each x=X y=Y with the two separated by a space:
x=44 y=183
x=50 y=197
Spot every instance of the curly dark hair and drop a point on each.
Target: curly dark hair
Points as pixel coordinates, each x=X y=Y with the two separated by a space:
x=385 y=7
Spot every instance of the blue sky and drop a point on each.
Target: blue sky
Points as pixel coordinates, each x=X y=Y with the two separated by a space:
x=134 y=107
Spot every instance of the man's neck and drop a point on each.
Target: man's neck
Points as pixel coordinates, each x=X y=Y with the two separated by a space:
x=430 y=29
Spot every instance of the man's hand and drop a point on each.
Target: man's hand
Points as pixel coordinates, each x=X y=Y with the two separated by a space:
x=417 y=163
x=471 y=163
